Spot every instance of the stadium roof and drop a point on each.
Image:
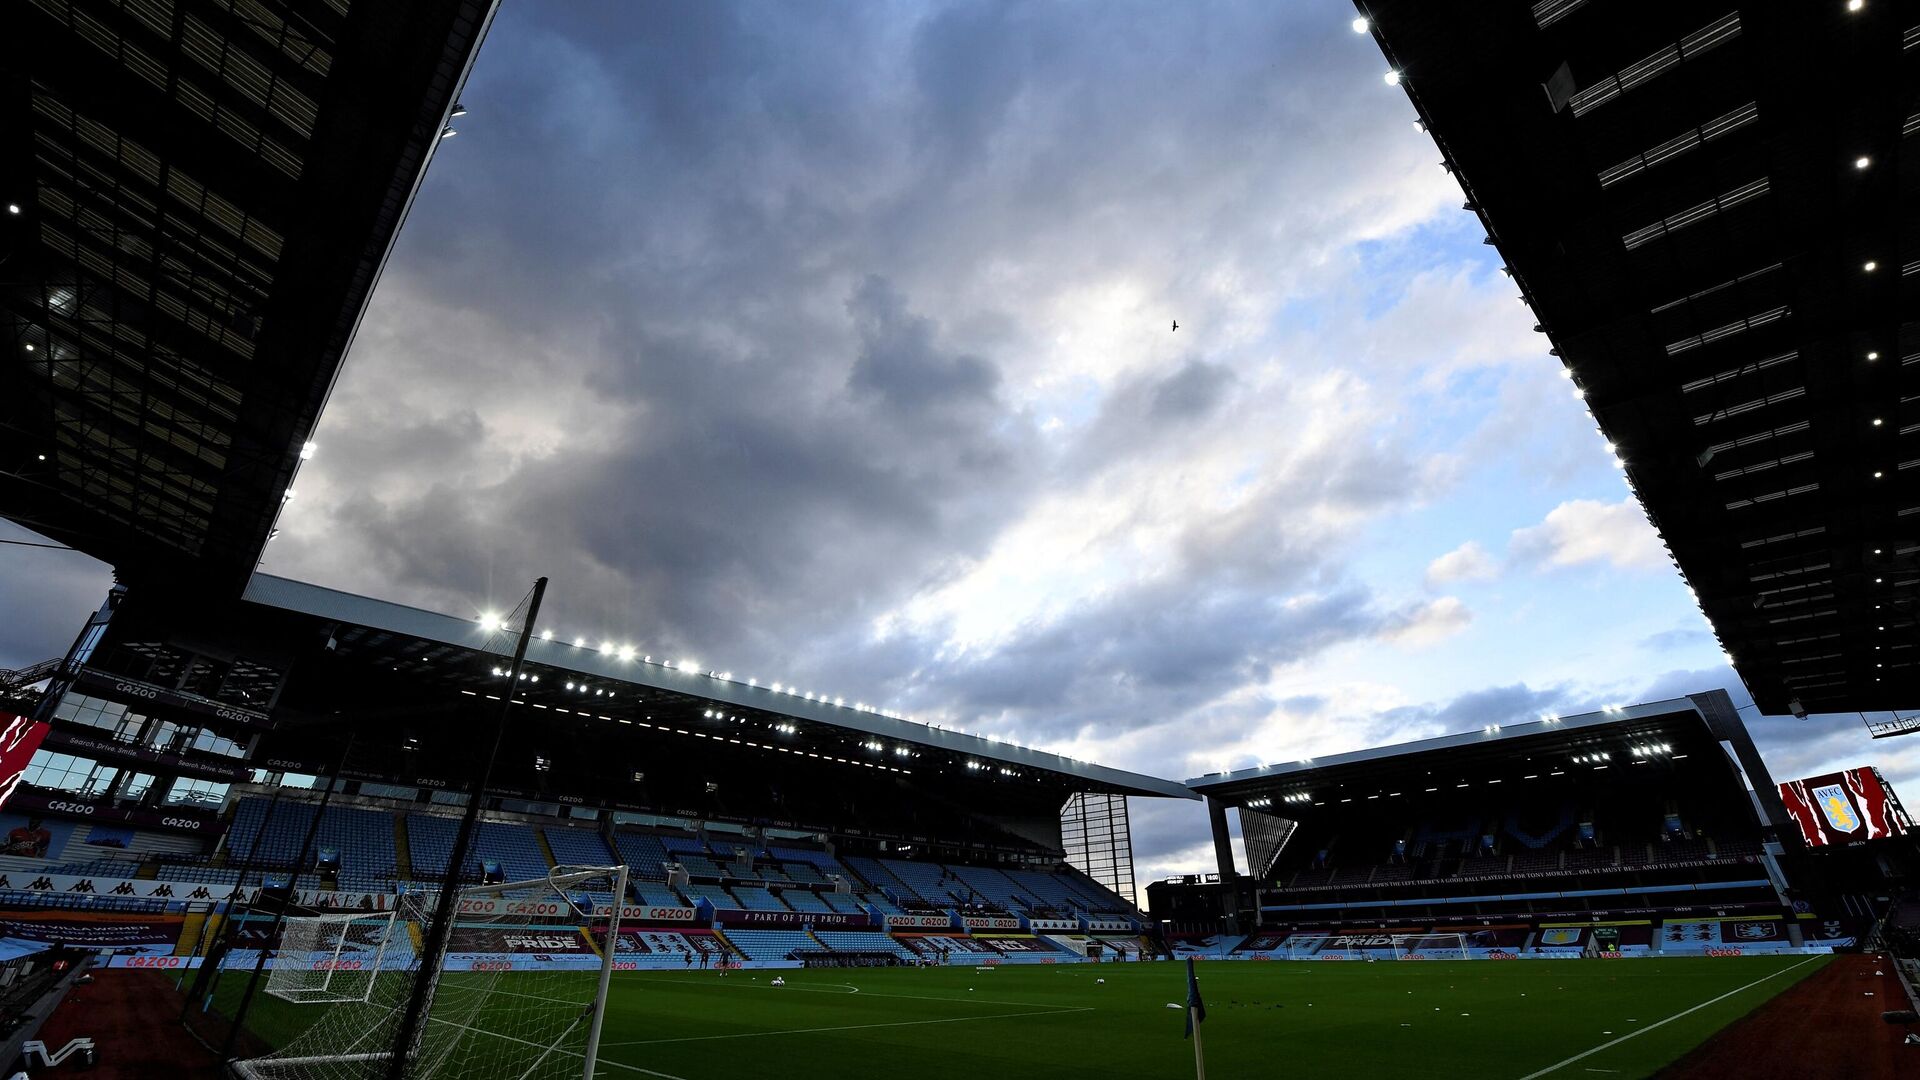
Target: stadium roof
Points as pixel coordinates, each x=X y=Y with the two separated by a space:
x=198 y=201
x=431 y=647
x=1612 y=726
x=1708 y=211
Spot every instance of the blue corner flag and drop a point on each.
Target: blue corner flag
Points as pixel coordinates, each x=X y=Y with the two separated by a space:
x=1196 y=1009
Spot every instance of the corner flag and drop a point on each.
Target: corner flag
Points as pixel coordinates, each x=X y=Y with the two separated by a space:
x=1196 y=1009
x=1196 y=1012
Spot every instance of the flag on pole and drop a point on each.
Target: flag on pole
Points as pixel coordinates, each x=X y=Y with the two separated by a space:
x=1196 y=1009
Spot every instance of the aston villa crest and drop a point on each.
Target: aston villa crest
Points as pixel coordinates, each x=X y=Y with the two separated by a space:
x=1837 y=808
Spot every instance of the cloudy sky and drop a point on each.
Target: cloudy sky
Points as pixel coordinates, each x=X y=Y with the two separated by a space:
x=833 y=342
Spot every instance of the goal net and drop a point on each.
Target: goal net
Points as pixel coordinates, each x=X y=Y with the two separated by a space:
x=1429 y=947
x=519 y=995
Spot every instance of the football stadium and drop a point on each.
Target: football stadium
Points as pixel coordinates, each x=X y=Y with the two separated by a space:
x=264 y=828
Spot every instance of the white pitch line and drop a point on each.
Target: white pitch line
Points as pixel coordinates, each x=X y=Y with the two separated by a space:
x=1060 y=1011
x=747 y=985
x=1685 y=1012
x=863 y=993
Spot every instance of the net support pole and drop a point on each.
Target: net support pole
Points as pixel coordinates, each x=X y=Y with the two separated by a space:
x=413 y=1023
x=207 y=981
x=606 y=970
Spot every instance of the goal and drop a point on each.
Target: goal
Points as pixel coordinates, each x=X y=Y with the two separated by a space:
x=1430 y=947
x=330 y=958
x=520 y=993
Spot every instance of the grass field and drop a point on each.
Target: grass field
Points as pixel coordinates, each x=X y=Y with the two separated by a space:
x=1337 y=1020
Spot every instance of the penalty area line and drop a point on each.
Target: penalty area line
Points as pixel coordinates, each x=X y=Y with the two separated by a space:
x=855 y=1027
x=1662 y=1023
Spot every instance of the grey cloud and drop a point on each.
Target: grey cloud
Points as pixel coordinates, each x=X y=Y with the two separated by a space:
x=900 y=365
x=1189 y=393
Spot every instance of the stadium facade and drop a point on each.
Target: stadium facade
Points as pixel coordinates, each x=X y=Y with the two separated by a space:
x=1650 y=828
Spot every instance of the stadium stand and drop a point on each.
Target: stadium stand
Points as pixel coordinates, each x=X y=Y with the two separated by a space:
x=658 y=895
x=1622 y=810
x=578 y=847
x=120 y=868
x=772 y=944
x=714 y=894
x=929 y=882
x=873 y=873
x=845 y=904
x=863 y=941
x=803 y=900
x=753 y=898
x=643 y=853
x=364 y=838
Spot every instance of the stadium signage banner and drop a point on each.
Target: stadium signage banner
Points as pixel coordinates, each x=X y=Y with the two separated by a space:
x=476 y=906
x=788 y=918
x=177 y=819
x=178 y=891
x=1848 y=807
x=155 y=934
x=1120 y=925
x=81 y=885
x=119 y=753
x=990 y=922
x=922 y=922
x=130 y=690
x=19 y=738
x=644 y=913
x=1044 y=925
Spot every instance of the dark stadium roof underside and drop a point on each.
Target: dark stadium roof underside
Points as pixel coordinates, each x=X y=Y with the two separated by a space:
x=1611 y=730
x=205 y=193
x=1718 y=228
x=429 y=647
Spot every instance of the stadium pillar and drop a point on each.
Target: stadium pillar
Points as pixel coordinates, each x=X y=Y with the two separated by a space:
x=1222 y=842
x=1223 y=857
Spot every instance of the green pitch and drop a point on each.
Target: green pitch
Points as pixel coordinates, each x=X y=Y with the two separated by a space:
x=1501 y=1020
x=1430 y=1019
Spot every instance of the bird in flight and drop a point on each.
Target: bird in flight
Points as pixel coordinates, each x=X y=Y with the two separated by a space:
x=1176 y=324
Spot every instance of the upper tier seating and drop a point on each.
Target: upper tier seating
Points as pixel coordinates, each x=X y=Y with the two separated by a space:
x=995 y=887
x=1048 y=889
x=754 y=898
x=802 y=900
x=656 y=895
x=719 y=897
x=846 y=904
x=364 y=838
x=643 y=853
x=512 y=846
x=578 y=847
x=877 y=875
x=929 y=881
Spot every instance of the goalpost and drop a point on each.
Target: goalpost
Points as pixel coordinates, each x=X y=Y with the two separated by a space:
x=520 y=996
x=1430 y=947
